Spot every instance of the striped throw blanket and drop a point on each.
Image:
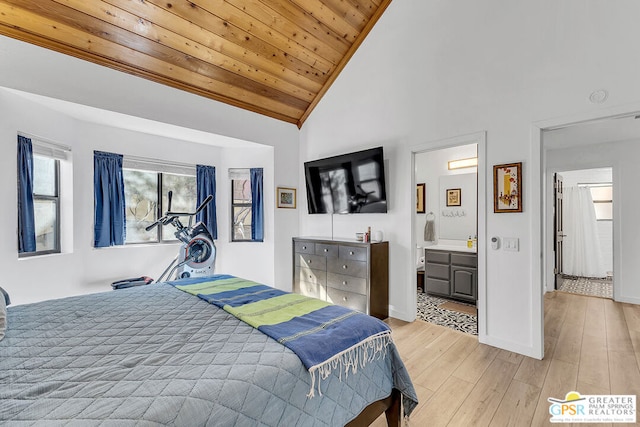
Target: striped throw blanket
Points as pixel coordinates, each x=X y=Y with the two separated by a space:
x=324 y=336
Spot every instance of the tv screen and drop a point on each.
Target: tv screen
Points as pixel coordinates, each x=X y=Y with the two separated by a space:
x=349 y=183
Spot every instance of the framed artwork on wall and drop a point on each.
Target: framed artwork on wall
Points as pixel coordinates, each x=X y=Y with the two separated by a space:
x=420 y=193
x=454 y=197
x=507 y=187
x=286 y=197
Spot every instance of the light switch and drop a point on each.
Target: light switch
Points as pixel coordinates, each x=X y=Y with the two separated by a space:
x=511 y=244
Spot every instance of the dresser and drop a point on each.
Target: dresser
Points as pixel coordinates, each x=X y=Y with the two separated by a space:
x=451 y=274
x=348 y=273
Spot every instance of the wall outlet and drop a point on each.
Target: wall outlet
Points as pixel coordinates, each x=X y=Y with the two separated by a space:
x=511 y=244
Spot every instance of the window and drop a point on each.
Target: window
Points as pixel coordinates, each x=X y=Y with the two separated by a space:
x=602 y=196
x=241 y=209
x=46 y=204
x=146 y=201
x=247 y=208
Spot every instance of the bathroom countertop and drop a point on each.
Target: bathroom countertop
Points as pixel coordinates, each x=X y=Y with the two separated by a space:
x=457 y=248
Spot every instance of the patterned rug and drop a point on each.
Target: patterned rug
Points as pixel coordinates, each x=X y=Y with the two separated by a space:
x=588 y=286
x=430 y=310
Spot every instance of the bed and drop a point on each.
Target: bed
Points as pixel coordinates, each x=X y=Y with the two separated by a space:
x=155 y=355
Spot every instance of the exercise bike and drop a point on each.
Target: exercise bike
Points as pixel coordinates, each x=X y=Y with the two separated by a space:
x=196 y=256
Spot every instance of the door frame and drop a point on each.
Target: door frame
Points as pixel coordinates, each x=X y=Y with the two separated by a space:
x=539 y=203
x=480 y=139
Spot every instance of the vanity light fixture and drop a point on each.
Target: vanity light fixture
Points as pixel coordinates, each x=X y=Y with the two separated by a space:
x=462 y=163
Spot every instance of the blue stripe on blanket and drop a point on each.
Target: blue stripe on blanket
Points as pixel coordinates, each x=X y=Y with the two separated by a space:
x=242 y=296
x=320 y=335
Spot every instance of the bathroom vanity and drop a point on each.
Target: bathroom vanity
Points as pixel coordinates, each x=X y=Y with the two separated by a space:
x=452 y=272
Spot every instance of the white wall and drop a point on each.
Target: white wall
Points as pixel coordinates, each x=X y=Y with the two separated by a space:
x=82 y=268
x=435 y=70
x=35 y=70
x=622 y=158
x=429 y=167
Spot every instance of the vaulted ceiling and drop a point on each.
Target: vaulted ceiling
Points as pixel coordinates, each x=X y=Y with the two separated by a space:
x=273 y=57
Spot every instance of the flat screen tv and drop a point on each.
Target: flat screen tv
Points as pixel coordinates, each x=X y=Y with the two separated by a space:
x=349 y=183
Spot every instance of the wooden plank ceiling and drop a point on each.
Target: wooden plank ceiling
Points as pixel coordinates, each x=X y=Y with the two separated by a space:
x=273 y=57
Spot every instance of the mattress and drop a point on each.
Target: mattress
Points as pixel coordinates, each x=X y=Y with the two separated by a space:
x=154 y=355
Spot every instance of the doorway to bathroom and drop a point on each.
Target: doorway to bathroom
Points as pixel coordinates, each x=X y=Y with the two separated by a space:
x=583 y=218
x=446 y=236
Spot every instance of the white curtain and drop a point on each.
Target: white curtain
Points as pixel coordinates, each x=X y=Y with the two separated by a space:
x=582 y=255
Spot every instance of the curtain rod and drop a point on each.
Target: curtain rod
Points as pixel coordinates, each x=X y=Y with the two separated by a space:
x=45 y=140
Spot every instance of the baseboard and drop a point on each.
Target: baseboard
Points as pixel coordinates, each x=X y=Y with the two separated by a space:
x=400 y=315
x=629 y=300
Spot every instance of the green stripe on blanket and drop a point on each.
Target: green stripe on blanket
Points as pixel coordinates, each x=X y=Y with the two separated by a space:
x=276 y=310
x=216 y=287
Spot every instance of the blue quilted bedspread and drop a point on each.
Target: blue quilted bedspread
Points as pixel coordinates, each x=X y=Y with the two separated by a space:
x=323 y=335
x=154 y=355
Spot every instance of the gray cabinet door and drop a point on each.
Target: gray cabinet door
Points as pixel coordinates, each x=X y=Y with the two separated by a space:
x=464 y=283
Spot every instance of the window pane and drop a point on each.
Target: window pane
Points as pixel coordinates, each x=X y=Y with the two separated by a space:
x=241 y=191
x=183 y=200
x=44 y=176
x=604 y=193
x=241 y=223
x=604 y=211
x=46 y=213
x=141 y=196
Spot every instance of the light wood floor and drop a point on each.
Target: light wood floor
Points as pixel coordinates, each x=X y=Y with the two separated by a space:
x=592 y=345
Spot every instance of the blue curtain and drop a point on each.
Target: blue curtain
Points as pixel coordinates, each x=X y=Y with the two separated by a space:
x=26 y=216
x=109 y=205
x=206 y=181
x=257 y=205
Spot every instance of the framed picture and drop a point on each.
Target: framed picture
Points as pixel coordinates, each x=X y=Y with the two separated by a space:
x=454 y=197
x=420 y=198
x=286 y=197
x=507 y=187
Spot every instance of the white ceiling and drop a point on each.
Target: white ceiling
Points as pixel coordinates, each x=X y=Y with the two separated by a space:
x=593 y=132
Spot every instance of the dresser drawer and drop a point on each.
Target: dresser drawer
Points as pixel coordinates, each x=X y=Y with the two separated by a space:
x=436 y=256
x=356 y=285
x=355 y=253
x=310 y=289
x=316 y=262
x=466 y=260
x=439 y=287
x=346 y=267
x=305 y=247
x=347 y=299
x=329 y=251
x=316 y=277
x=437 y=271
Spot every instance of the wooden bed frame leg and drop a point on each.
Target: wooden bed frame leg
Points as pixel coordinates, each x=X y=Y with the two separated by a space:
x=391 y=407
x=394 y=412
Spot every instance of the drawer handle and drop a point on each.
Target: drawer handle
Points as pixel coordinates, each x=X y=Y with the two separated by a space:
x=344 y=267
x=344 y=299
x=326 y=250
x=351 y=252
x=304 y=247
x=344 y=282
x=311 y=276
x=308 y=261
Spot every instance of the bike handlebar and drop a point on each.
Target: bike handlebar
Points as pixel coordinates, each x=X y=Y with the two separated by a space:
x=169 y=216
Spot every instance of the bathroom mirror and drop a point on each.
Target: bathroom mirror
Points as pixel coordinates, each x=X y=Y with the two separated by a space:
x=458 y=197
